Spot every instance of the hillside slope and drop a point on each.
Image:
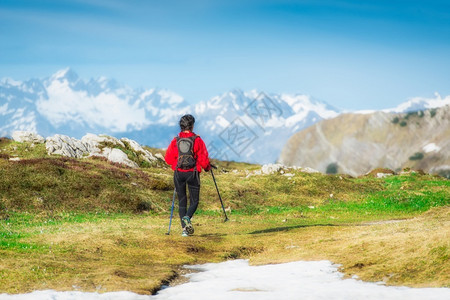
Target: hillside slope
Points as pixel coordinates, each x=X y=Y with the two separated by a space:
x=93 y=225
x=357 y=143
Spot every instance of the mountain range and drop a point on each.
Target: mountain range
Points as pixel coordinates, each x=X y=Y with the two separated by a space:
x=238 y=125
x=242 y=126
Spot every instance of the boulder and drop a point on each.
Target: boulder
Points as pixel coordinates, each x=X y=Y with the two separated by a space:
x=160 y=156
x=146 y=155
x=98 y=145
x=271 y=168
x=118 y=156
x=94 y=143
x=66 y=146
x=27 y=137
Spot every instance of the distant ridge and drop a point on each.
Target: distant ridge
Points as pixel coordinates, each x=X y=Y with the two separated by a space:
x=355 y=143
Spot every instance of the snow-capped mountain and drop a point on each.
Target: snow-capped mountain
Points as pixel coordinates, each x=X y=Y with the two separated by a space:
x=248 y=126
x=65 y=103
x=242 y=126
x=420 y=103
x=253 y=126
x=103 y=104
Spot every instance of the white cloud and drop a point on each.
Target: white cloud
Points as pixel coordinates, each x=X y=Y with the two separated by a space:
x=4 y=109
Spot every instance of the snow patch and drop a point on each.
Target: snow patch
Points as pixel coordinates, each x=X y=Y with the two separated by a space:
x=432 y=147
x=238 y=280
x=296 y=280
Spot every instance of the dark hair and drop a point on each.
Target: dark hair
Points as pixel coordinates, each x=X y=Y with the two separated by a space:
x=187 y=122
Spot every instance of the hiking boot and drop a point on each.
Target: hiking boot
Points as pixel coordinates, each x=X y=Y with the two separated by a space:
x=184 y=233
x=188 y=225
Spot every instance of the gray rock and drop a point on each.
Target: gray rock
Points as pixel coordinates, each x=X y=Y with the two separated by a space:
x=309 y=170
x=66 y=146
x=271 y=168
x=98 y=145
x=138 y=149
x=383 y=175
x=27 y=137
x=94 y=142
x=118 y=156
x=160 y=156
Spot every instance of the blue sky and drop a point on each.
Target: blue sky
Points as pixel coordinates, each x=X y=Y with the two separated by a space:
x=351 y=54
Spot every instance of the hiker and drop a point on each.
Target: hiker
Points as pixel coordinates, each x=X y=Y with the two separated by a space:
x=187 y=155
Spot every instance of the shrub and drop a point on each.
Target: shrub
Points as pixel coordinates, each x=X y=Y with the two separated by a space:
x=403 y=123
x=332 y=168
x=432 y=112
x=396 y=120
x=161 y=185
x=417 y=156
x=144 y=206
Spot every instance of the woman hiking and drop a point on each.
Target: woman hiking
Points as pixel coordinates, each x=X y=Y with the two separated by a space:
x=187 y=155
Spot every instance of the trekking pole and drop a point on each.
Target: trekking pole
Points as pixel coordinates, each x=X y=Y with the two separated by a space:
x=171 y=211
x=220 y=198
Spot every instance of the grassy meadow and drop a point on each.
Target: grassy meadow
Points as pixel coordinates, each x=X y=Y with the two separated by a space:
x=90 y=225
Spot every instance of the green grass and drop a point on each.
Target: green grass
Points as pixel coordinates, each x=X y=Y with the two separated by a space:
x=83 y=221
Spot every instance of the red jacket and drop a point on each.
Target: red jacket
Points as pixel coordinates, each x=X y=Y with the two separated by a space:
x=200 y=153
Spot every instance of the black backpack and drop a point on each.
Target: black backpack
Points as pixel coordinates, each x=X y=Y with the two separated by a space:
x=186 y=157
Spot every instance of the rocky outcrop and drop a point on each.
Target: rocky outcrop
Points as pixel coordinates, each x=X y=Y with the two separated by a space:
x=66 y=146
x=99 y=145
x=27 y=137
x=123 y=151
x=358 y=143
x=134 y=146
x=118 y=156
x=269 y=169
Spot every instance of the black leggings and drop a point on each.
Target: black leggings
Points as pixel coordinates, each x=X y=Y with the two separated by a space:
x=192 y=180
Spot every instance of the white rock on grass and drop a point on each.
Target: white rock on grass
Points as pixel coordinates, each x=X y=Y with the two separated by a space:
x=98 y=145
x=271 y=168
x=160 y=156
x=138 y=149
x=65 y=146
x=93 y=142
x=309 y=170
x=27 y=137
x=383 y=175
x=118 y=156
x=289 y=175
x=275 y=168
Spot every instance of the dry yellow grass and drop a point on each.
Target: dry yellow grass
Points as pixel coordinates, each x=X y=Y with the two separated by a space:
x=411 y=252
x=133 y=253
